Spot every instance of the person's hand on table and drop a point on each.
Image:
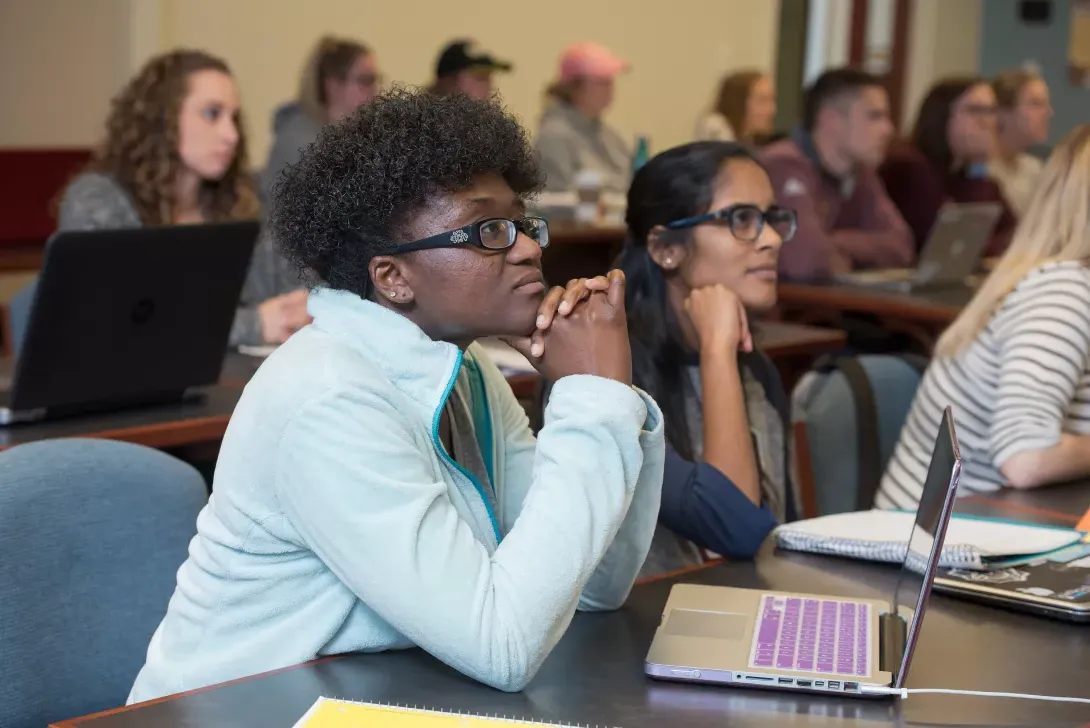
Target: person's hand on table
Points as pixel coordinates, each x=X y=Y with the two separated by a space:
x=581 y=329
x=282 y=316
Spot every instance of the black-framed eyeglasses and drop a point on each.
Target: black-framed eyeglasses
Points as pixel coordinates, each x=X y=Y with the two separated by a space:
x=746 y=222
x=496 y=233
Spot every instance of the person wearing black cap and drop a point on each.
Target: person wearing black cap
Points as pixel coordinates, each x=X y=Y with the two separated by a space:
x=463 y=68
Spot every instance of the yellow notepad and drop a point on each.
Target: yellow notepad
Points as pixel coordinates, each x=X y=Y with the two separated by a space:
x=328 y=713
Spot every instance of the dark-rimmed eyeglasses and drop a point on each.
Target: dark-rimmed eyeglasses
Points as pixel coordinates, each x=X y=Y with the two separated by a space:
x=746 y=222
x=496 y=233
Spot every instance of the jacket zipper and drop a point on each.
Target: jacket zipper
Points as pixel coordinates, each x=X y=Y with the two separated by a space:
x=446 y=456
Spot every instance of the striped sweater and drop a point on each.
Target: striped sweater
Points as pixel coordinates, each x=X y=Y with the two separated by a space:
x=1023 y=382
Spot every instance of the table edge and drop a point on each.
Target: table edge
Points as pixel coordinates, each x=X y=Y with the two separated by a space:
x=1034 y=510
x=173 y=433
x=77 y=722
x=796 y=293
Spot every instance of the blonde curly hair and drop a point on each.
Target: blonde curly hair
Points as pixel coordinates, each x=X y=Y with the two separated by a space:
x=141 y=146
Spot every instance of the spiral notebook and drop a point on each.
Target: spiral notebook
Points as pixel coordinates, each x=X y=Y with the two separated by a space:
x=972 y=542
x=329 y=713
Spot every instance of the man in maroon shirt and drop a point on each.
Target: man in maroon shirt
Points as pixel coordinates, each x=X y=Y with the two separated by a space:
x=826 y=172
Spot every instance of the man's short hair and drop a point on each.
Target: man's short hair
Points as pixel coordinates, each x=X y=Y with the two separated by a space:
x=831 y=87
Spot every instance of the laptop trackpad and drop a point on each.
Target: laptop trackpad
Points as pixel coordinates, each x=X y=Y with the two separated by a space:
x=709 y=625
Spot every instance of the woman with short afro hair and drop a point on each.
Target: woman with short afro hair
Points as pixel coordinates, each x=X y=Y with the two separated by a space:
x=379 y=486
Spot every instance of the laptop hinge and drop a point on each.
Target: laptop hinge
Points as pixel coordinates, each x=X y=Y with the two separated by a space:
x=892 y=637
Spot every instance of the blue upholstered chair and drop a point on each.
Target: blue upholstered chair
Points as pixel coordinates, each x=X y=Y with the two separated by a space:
x=92 y=533
x=19 y=315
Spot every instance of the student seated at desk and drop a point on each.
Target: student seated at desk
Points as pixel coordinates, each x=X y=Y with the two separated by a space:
x=745 y=110
x=1015 y=365
x=704 y=236
x=339 y=75
x=573 y=138
x=946 y=159
x=175 y=153
x=463 y=68
x=1022 y=123
x=825 y=172
x=379 y=486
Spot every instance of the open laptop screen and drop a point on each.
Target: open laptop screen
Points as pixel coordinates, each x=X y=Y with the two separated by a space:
x=925 y=544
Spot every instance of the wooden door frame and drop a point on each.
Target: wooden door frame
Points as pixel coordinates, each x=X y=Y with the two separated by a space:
x=898 y=61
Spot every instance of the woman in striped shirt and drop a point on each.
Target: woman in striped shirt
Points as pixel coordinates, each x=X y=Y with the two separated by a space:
x=1015 y=365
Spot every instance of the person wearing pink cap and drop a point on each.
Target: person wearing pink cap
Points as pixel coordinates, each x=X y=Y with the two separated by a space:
x=572 y=138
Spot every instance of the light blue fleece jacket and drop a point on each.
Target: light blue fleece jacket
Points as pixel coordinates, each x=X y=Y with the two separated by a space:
x=337 y=523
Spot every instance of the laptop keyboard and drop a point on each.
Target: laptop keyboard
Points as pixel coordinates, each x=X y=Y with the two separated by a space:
x=812 y=635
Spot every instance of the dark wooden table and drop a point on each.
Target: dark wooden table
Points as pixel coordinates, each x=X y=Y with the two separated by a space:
x=203 y=422
x=199 y=422
x=793 y=347
x=580 y=251
x=595 y=675
x=920 y=315
x=166 y=427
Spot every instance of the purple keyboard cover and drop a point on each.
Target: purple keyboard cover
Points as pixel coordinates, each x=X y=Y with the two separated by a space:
x=813 y=635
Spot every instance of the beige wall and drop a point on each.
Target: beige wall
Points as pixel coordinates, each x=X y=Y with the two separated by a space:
x=677 y=49
x=944 y=40
x=60 y=62
x=79 y=50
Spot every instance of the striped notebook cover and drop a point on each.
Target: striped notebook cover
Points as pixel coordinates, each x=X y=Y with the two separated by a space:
x=971 y=542
x=329 y=713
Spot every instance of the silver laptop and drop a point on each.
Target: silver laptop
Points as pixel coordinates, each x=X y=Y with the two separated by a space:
x=950 y=256
x=812 y=642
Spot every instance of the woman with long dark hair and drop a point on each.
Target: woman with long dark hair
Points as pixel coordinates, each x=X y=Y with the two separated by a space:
x=946 y=159
x=704 y=242
x=745 y=110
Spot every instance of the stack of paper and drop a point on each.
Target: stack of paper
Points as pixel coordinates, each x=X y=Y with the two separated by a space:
x=971 y=542
x=328 y=713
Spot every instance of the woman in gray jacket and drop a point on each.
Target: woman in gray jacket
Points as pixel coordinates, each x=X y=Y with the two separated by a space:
x=175 y=153
x=339 y=76
x=572 y=138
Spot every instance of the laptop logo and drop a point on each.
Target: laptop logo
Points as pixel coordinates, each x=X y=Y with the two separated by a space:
x=142 y=311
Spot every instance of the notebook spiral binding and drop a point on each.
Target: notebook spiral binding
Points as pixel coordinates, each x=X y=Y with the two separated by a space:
x=462 y=714
x=952 y=556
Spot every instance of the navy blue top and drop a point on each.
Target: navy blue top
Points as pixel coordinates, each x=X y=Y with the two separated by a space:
x=702 y=504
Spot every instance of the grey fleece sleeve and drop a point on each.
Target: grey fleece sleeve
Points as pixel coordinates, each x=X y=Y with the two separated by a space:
x=557 y=159
x=96 y=202
x=270 y=275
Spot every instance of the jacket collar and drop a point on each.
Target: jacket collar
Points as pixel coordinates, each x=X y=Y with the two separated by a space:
x=575 y=118
x=414 y=363
x=845 y=185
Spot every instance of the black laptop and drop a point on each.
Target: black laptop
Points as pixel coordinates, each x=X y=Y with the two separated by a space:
x=125 y=318
x=1056 y=586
